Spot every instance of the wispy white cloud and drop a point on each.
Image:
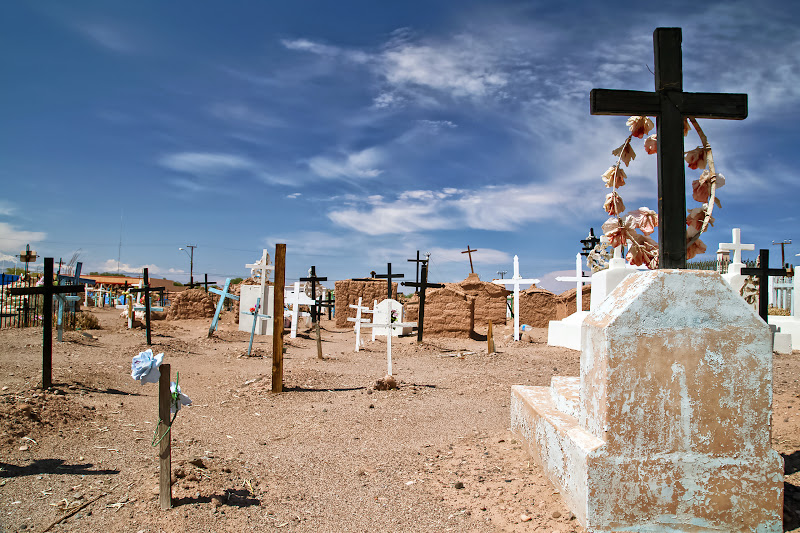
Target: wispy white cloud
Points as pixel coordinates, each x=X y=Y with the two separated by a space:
x=204 y=163
x=111 y=265
x=293 y=195
x=361 y=164
x=243 y=114
x=13 y=239
x=305 y=45
x=107 y=36
x=485 y=256
x=6 y=208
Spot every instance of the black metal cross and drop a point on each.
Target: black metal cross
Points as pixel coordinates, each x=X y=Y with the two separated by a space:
x=205 y=283
x=422 y=285
x=146 y=290
x=763 y=272
x=48 y=290
x=417 y=261
x=468 y=251
x=589 y=243
x=670 y=105
x=314 y=279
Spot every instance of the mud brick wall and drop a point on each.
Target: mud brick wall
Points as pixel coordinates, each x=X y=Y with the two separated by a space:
x=347 y=293
x=490 y=300
x=449 y=312
x=192 y=303
x=537 y=307
x=566 y=302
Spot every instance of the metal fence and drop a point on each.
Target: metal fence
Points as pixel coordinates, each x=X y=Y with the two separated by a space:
x=26 y=311
x=719 y=266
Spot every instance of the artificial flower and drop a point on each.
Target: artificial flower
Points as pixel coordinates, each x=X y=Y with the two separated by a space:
x=697 y=247
x=651 y=145
x=701 y=188
x=614 y=176
x=639 y=126
x=179 y=399
x=644 y=219
x=643 y=251
x=614 y=205
x=617 y=231
x=625 y=153
x=144 y=367
x=697 y=216
x=686 y=127
x=696 y=158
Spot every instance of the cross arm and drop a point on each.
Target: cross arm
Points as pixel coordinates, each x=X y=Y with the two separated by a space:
x=420 y=285
x=55 y=289
x=697 y=105
x=765 y=272
x=227 y=294
x=384 y=276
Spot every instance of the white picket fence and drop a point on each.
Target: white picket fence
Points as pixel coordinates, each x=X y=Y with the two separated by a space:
x=783 y=293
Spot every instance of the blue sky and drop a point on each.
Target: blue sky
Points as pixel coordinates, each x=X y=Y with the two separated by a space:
x=360 y=132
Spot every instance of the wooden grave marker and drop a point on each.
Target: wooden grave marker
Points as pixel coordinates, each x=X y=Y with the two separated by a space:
x=222 y=295
x=516 y=281
x=422 y=286
x=256 y=316
x=145 y=290
x=277 y=319
x=670 y=105
x=469 y=252
x=763 y=272
x=48 y=290
x=67 y=299
x=358 y=321
x=313 y=278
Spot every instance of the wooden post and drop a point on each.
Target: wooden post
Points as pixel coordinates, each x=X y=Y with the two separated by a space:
x=319 y=343
x=147 y=305
x=490 y=338
x=277 y=318
x=165 y=446
x=47 y=324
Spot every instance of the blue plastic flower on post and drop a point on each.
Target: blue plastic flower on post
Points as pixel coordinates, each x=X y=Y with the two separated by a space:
x=144 y=367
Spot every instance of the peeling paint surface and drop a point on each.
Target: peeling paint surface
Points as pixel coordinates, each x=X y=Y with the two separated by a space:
x=669 y=428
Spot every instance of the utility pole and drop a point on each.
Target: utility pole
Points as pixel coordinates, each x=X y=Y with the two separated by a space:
x=782 y=244
x=191 y=263
x=502 y=273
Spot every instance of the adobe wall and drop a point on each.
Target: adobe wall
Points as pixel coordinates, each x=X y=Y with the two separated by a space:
x=348 y=291
x=537 y=307
x=490 y=300
x=191 y=303
x=566 y=302
x=449 y=312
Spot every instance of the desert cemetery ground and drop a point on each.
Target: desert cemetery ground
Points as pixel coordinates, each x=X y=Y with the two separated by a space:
x=329 y=453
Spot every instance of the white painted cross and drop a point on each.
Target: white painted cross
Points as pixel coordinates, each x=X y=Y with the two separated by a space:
x=262 y=267
x=296 y=298
x=515 y=281
x=736 y=247
x=388 y=331
x=579 y=279
x=358 y=321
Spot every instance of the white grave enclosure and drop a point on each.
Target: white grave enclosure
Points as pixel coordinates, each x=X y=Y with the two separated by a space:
x=567 y=332
x=734 y=276
x=382 y=315
x=788 y=325
x=248 y=295
x=668 y=426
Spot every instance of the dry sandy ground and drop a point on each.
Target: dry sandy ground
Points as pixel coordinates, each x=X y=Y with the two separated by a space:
x=329 y=454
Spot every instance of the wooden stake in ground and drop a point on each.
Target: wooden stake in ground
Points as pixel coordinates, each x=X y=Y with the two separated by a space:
x=670 y=105
x=47 y=290
x=313 y=278
x=277 y=319
x=165 y=433
x=490 y=338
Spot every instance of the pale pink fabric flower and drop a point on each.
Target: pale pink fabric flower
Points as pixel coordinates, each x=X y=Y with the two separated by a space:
x=614 y=204
x=645 y=219
x=625 y=153
x=643 y=251
x=701 y=188
x=614 y=176
x=696 y=217
x=697 y=247
x=639 y=126
x=651 y=145
x=686 y=127
x=617 y=233
x=696 y=158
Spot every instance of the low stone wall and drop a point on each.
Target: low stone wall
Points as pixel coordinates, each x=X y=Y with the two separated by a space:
x=348 y=291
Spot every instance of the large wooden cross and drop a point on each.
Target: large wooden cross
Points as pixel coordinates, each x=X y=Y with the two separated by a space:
x=418 y=261
x=468 y=251
x=145 y=288
x=389 y=277
x=589 y=243
x=313 y=278
x=763 y=272
x=670 y=105
x=48 y=290
x=222 y=295
x=422 y=286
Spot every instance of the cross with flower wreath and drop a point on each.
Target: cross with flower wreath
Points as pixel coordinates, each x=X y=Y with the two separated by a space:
x=670 y=105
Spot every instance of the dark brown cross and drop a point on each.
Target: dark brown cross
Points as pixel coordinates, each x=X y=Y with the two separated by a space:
x=468 y=251
x=205 y=283
x=669 y=104
x=388 y=276
x=763 y=272
x=314 y=279
x=782 y=244
x=146 y=290
x=418 y=261
x=48 y=290
x=422 y=285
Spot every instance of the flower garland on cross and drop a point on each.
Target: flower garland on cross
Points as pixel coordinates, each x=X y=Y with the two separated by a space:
x=619 y=231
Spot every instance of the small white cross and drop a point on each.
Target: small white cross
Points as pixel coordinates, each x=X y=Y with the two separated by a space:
x=578 y=278
x=358 y=321
x=736 y=246
x=263 y=267
x=515 y=281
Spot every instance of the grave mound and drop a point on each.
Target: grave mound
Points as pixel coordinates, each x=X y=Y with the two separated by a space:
x=192 y=303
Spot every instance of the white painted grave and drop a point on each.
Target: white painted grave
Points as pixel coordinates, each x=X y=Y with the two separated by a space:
x=567 y=332
x=382 y=315
x=516 y=281
x=668 y=427
x=358 y=321
x=250 y=294
x=734 y=277
x=788 y=325
x=296 y=298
